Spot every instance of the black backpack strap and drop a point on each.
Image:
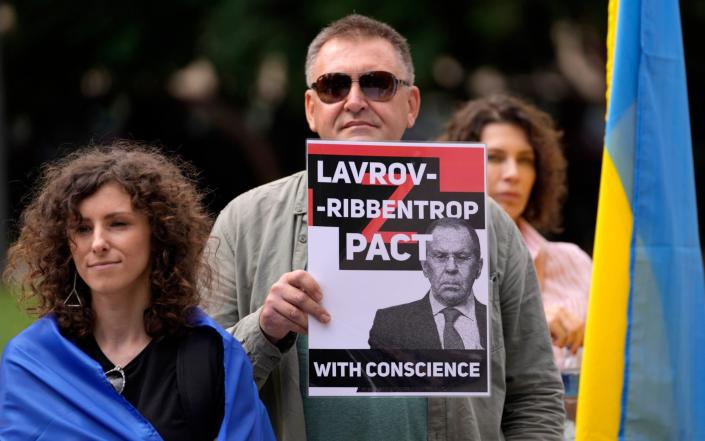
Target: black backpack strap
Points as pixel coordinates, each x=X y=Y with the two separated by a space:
x=201 y=381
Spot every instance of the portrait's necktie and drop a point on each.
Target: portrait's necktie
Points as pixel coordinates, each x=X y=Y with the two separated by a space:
x=451 y=338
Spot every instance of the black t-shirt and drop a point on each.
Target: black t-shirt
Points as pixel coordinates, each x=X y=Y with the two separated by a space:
x=176 y=382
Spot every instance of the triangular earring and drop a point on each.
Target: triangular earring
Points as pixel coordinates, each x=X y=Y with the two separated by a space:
x=73 y=300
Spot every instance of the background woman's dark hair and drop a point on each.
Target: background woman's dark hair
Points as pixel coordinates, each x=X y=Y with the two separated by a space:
x=543 y=209
x=162 y=188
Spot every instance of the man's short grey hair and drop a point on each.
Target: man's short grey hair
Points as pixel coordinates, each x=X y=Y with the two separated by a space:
x=357 y=26
x=457 y=223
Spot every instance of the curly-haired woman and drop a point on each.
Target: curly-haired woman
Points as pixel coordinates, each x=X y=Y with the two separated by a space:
x=526 y=176
x=110 y=255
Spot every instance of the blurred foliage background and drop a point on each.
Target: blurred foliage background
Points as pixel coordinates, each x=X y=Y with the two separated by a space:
x=221 y=83
x=12 y=318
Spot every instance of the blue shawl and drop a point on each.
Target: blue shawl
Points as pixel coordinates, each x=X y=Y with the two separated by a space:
x=50 y=389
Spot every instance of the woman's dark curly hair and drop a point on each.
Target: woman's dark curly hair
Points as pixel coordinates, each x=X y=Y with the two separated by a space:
x=466 y=124
x=164 y=189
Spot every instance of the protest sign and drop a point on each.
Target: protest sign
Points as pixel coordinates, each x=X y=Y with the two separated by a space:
x=397 y=240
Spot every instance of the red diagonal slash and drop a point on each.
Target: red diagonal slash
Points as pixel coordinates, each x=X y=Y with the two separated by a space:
x=376 y=224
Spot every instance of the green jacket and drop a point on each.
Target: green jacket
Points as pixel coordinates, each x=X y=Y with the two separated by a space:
x=262 y=234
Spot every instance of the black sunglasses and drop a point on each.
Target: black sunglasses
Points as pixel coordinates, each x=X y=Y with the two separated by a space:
x=377 y=86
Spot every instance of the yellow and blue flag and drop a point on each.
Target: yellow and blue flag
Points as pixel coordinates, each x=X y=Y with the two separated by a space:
x=643 y=373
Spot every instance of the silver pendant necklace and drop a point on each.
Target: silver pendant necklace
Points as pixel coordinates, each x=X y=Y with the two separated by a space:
x=116 y=377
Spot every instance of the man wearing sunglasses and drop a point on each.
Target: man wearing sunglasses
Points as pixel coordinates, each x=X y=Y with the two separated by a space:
x=361 y=80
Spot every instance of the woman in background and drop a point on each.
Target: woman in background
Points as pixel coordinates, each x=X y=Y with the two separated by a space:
x=110 y=255
x=526 y=176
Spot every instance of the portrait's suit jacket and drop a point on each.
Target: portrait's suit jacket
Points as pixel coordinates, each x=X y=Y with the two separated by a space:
x=411 y=326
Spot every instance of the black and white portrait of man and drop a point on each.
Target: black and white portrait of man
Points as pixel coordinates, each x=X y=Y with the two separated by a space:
x=448 y=316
